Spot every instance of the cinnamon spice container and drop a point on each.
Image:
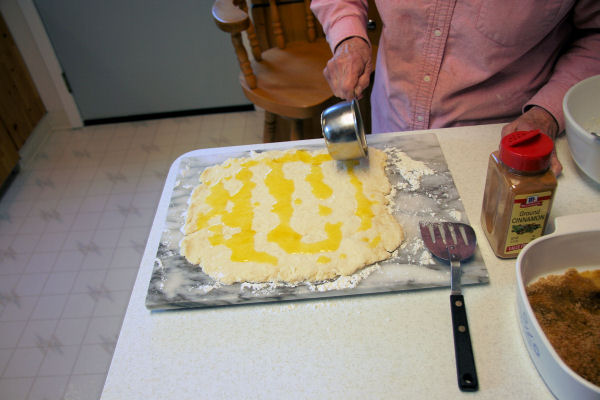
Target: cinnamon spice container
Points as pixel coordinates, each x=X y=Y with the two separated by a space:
x=518 y=192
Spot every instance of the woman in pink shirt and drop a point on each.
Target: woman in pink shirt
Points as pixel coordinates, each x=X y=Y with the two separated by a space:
x=446 y=63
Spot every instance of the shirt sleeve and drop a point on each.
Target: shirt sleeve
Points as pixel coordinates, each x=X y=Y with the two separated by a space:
x=341 y=19
x=580 y=60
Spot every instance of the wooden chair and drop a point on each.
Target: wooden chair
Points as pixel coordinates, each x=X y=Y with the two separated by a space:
x=285 y=79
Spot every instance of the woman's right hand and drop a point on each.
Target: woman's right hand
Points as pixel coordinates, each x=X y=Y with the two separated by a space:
x=349 y=70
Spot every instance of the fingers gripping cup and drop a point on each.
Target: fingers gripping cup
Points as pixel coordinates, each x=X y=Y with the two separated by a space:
x=344 y=132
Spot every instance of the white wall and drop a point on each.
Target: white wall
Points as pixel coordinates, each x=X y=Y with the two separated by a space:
x=139 y=57
x=212 y=82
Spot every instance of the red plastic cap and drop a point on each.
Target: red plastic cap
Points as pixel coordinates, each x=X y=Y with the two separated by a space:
x=526 y=150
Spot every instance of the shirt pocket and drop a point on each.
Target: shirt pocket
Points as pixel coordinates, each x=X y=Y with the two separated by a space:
x=518 y=22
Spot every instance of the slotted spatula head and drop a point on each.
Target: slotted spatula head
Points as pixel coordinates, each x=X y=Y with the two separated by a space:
x=438 y=236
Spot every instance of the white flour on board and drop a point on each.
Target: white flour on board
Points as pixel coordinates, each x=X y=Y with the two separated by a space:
x=344 y=282
x=411 y=170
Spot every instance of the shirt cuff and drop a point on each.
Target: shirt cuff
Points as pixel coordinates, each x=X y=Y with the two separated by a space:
x=550 y=98
x=344 y=28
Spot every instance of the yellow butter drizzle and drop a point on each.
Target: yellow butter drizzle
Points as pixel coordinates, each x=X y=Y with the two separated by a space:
x=240 y=212
x=374 y=242
x=241 y=215
x=319 y=188
x=281 y=189
x=363 y=204
x=324 y=210
x=323 y=259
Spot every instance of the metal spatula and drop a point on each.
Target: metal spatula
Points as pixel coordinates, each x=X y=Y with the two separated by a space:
x=455 y=242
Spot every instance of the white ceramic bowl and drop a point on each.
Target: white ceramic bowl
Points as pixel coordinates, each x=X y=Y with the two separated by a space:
x=574 y=243
x=581 y=106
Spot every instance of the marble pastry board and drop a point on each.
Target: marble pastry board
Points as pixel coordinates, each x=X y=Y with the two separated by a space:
x=175 y=283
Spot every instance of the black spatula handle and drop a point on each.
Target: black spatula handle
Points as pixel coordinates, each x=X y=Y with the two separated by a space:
x=465 y=363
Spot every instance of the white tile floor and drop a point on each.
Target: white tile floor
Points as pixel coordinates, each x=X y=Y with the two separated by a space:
x=73 y=227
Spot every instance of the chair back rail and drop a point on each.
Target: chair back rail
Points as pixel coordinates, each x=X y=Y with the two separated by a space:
x=284 y=73
x=296 y=20
x=250 y=31
x=230 y=17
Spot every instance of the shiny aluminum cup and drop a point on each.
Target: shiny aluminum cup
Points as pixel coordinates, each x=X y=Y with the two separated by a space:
x=343 y=130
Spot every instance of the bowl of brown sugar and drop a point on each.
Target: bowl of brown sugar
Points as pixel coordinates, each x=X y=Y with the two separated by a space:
x=558 y=304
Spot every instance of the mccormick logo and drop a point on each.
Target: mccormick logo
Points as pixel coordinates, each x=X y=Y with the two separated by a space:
x=532 y=201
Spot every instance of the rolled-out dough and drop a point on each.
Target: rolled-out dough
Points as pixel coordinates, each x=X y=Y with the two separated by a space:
x=290 y=216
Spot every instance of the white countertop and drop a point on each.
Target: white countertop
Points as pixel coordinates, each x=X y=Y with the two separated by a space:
x=396 y=345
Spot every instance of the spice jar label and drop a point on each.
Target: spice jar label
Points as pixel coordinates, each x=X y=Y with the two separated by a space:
x=527 y=221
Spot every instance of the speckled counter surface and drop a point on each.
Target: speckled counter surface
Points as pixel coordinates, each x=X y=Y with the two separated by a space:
x=395 y=345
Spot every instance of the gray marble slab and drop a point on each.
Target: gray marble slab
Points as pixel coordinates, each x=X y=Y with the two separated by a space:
x=175 y=283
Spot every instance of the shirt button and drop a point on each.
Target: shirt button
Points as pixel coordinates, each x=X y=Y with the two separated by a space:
x=427 y=78
x=420 y=118
x=437 y=32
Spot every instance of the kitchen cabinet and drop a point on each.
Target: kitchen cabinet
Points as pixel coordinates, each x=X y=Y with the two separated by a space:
x=9 y=156
x=21 y=107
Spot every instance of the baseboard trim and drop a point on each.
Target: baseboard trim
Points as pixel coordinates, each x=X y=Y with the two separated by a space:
x=59 y=120
x=7 y=182
x=169 y=114
x=36 y=139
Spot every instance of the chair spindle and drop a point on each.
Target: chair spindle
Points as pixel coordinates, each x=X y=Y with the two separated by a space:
x=277 y=30
x=310 y=22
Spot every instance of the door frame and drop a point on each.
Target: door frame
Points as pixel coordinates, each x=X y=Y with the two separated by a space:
x=33 y=42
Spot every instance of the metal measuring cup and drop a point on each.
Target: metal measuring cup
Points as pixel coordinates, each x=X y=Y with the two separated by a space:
x=343 y=130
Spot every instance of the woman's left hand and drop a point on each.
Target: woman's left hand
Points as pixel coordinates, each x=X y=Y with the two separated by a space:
x=537 y=118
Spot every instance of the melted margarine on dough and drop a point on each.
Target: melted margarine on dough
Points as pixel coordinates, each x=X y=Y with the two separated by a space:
x=290 y=216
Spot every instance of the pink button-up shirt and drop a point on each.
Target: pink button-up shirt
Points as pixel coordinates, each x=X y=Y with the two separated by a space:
x=448 y=63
